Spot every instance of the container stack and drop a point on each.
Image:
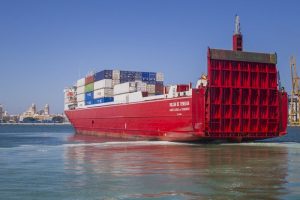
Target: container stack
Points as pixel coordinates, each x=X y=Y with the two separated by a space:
x=159 y=85
x=141 y=86
x=69 y=94
x=129 y=76
x=89 y=89
x=115 y=77
x=127 y=87
x=104 y=86
x=98 y=88
x=80 y=89
x=69 y=97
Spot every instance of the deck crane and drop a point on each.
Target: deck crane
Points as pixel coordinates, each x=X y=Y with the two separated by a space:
x=294 y=111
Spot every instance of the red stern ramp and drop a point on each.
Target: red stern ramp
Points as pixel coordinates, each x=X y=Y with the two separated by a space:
x=243 y=99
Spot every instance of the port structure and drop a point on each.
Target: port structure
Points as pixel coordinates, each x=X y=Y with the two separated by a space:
x=294 y=103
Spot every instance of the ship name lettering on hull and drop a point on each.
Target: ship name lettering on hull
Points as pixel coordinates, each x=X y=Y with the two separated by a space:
x=179 y=106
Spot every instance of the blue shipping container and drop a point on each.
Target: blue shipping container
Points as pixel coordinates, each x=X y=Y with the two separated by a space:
x=123 y=74
x=104 y=74
x=150 y=82
x=138 y=76
x=89 y=96
x=152 y=76
x=159 y=83
x=124 y=80
x=89 y=102
x=145 y=76
x=128 y=75
x=103 y=100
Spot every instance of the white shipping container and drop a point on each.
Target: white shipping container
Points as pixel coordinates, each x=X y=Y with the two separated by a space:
x=154 y=97
x=172 y=91
x=116 y=74
x=105 y=83
x=140 y=83
x=159 y=76
x=141 y=86
x=80 y=104
x=80 y=97
x=151 y=89
x=121 y=98
x=115 y=82
x=80 y=82
x=124 y=88
x=80 y=90
x=135 y=97
x=105 y=92
x=141 y=89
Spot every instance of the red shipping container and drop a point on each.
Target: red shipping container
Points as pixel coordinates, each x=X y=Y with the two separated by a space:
x=144 y=94
x=89 y=79
x=182 y=87
x=159 y=89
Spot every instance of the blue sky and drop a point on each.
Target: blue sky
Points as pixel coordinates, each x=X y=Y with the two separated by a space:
x=47 y=45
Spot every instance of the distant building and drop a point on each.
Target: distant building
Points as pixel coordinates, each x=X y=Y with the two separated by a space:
x=40 y=112
x=30 y=112
x=5 y=114
x=42 y=115
x=46 y=110
x=13 y=119
x=33 y=109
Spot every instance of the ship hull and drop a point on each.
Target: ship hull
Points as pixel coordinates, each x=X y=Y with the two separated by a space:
x=167 y=119
x=240 y=102
x=181 y=119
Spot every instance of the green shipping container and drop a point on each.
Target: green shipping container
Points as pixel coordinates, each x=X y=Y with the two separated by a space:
x=89 y=87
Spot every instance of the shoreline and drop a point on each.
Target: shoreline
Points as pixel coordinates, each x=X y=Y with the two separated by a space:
x=37 y=124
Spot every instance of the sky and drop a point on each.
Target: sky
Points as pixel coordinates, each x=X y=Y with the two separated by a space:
x=47 y=45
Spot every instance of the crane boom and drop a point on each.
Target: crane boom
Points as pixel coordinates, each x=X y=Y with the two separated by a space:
x=294 y=111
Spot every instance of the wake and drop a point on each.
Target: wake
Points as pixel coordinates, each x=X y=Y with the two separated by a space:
x=268 y=144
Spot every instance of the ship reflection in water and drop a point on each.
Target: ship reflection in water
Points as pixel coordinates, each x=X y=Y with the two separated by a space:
x=133 y=170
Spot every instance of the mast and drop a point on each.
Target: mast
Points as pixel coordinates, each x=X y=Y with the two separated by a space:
x=237 y=38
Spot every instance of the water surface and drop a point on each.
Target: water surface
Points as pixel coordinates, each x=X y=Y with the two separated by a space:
x=48 y=162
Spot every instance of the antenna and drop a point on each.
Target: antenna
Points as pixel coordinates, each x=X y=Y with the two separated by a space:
x=237 y=25
x=237 y=38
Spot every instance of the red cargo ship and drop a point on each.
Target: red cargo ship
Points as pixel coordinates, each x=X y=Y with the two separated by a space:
x=240 y=102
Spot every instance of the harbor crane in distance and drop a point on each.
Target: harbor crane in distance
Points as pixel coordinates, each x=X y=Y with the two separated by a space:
x=294 y=110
